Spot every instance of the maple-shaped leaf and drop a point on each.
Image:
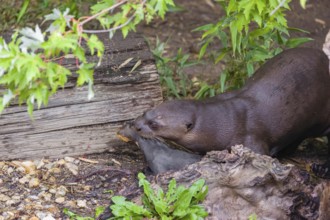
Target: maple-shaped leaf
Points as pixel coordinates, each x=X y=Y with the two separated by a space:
x=58 y=15
x=31 y=40
x=7 y=97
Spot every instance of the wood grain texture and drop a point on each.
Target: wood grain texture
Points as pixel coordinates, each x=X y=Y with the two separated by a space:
x=71 y=124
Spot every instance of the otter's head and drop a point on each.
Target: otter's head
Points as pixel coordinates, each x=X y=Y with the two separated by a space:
x=171 y=120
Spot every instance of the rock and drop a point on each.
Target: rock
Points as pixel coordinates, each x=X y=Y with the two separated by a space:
x=69 y=159
x=45 y=216
x=71 y=204
x=45 y=196
x=11 y=202
x=72 y=167
x=52 y=191
x=61 y=191
x=39 y=164
x=82 y=203
x=60 y=200
x=34 y=182
x=29 y=166
x=24 y=179
x=48 y=166
x=61 y=162
x=10 y=170
x=4 y=198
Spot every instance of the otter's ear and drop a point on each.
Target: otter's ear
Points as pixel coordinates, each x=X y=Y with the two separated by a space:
x=189 y=126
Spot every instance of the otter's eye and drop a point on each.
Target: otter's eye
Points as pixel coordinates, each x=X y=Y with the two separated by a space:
x=153 y=125
x=189 y=126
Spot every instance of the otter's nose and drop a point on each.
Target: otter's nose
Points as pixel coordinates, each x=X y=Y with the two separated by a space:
x=138 y=123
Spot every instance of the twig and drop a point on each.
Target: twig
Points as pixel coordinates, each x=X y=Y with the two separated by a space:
x=278 y=7
x=111 y=29
x=103 y=11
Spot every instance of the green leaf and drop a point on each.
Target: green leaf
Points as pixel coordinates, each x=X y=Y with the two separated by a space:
x=298 y=30
x=79 y=52
x=231 y=6
x=250 y=68
x=94 y=43
x=85 y=74
x=203 y=50
x=261 y=5
x=204 y=27
x=30 y=107
x=101 y=5
x=303 y=3
x=182 y=203
x=171 y=85
x=23 y=10
x=233 y=32
x=295 y=42
x=258 y=19
x=258 y=32
x=223 y=79
x=223 y=53
x=246 y=6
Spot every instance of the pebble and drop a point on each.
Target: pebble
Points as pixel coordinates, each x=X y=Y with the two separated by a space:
x=82 y=203
x=61 y=162
x=29 y=166
x=45 y=216
x=71 y=204
x=60 y=200
x=72 y=167
x=4 y=198
x=39 y=164
x=33 y=197
x=31 y=190
x=46 y=196
x=61 y=191
x=11 y=202
x=24 y=179
x=69 y=159
x=34 y=182
x=52 y=191
x=10 y=170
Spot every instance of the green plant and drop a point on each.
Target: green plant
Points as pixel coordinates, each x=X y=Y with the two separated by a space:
x=30 y=69
x=249 y=33
x=252 y=217
x=171 y=70
x=176 y=203
x=73 y=216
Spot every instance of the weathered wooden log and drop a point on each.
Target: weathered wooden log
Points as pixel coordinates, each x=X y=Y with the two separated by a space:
x=72 y=125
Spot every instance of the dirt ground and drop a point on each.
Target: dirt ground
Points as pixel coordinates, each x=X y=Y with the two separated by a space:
x=42 y=188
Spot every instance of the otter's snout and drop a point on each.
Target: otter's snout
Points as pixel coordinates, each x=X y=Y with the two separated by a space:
x=139 y=124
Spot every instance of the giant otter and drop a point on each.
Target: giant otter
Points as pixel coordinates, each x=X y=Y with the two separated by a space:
x=158 y=154
x=284 y=102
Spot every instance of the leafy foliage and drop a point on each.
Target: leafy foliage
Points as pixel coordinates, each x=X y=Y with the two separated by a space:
x=250 y=32
x=73 y=216
x=176 y=203
x=131 y=13
x=30 y=69
x=171 y=70
x=28 y=64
